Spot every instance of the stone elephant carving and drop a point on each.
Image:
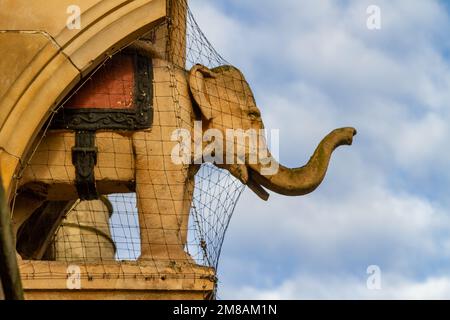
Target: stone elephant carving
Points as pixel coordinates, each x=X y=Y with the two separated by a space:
x=200 y=99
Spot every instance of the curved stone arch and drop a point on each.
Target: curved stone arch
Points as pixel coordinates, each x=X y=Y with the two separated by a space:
x=49 y=60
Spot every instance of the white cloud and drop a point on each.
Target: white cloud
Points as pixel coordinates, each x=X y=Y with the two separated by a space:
x=366 y=219
x=420 y=140
x=344 y=287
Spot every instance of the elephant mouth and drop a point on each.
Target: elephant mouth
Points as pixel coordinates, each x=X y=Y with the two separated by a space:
x=255 y=186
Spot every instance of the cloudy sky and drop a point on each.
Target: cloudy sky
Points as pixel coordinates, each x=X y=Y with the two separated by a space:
x=315 y=66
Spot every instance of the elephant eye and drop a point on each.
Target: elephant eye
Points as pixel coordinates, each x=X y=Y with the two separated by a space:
x=253 y=115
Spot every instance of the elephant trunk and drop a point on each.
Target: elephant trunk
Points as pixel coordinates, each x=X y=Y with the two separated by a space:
x=303 y=180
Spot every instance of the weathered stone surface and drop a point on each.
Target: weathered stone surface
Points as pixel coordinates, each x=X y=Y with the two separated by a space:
x=125 y=280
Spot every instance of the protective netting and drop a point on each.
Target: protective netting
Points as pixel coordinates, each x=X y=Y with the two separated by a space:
x=150 y=208
x=199 y=49
x=215 y=196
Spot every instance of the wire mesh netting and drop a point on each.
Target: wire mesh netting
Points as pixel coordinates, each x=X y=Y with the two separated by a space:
x=101 y=183
x=199 y=49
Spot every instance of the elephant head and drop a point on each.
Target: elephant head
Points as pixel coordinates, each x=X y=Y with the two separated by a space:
x=226 y=102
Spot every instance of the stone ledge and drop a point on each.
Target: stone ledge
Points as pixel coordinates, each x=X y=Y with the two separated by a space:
x=117 y=280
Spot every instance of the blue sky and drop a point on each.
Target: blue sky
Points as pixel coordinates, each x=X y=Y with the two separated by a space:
x=314 y=66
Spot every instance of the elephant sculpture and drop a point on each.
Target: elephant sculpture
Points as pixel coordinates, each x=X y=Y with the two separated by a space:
x=142 y=161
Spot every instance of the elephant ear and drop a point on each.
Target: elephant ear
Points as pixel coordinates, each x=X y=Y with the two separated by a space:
x=198 y=76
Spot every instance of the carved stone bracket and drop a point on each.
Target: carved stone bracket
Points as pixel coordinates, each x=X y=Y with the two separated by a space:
x=84 y=158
